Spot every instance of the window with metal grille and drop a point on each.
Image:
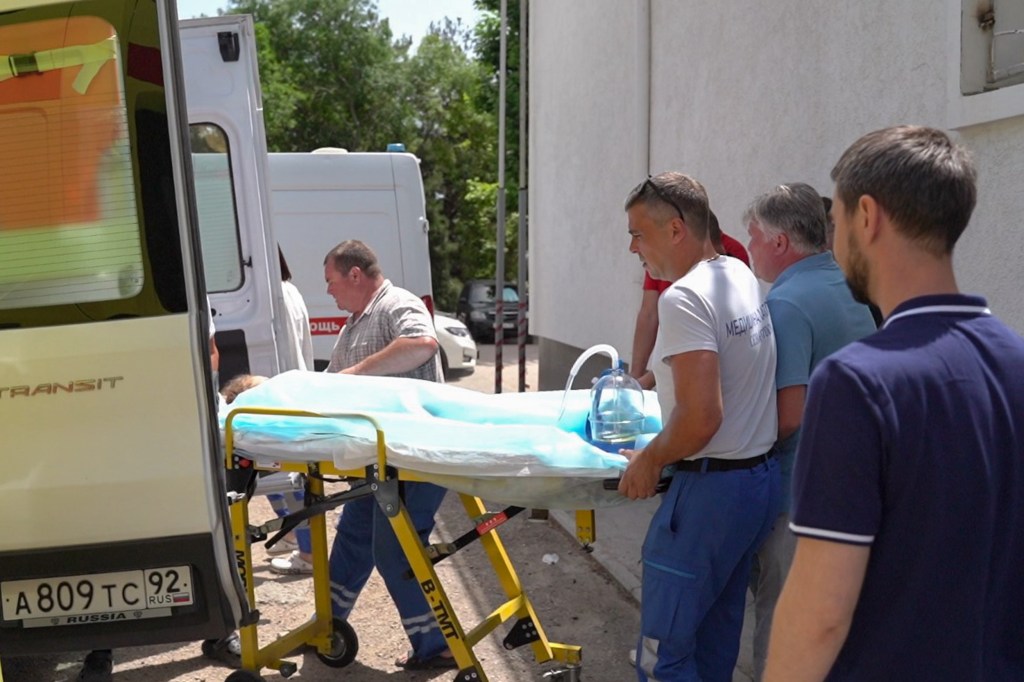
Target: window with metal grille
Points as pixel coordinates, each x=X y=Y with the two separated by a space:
x=992 y=45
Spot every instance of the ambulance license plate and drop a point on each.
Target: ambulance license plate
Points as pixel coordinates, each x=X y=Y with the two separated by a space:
x=97 y=597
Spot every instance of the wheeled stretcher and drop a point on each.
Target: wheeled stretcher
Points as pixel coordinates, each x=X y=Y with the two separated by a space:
x=335 y=641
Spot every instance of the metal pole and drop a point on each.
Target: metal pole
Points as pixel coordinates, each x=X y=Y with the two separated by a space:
x=523 y=197
x=499 y=270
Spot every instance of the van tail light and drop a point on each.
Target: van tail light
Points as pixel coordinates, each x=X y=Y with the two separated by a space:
x=428 y=301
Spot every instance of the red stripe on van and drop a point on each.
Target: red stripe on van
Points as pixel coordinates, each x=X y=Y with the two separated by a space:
x=323 y=326
x=330 y=326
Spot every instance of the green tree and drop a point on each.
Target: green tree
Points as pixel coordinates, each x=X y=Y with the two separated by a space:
x=488 y=54
x=332 y=75
x=279 y=88
x=335 y=63
x=456 y=145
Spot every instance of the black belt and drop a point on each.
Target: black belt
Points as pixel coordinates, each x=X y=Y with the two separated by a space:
x=712 y=464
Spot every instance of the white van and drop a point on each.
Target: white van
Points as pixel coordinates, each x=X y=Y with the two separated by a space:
x=115 y=522
x=305 y=202
x=322 y=198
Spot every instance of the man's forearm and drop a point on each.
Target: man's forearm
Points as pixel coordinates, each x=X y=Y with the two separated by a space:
x=643 y=344
x=801 y=649
x=684 y=435
x=401 y=355
x=644 y=334
x=790 y=401
x=815 y=610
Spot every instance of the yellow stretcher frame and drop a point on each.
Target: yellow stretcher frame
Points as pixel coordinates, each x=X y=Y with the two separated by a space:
x=320 y=631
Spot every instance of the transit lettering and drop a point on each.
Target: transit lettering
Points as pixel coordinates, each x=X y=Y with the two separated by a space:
x=54 y=387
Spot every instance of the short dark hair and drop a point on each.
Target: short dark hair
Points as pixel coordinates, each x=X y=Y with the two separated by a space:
x=715 y=232
x=925 y=182
x=353 y=253
x=678 y=193
x=796 y=211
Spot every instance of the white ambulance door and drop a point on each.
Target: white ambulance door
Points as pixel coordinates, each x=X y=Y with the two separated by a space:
x=229 y=153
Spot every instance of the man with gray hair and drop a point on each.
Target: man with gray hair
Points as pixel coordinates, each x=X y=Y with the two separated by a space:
x=814 y=315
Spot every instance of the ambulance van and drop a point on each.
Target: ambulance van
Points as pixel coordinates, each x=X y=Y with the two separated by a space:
x=115 y=522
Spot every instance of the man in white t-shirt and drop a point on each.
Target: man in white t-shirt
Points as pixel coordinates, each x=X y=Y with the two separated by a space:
x=714 y=364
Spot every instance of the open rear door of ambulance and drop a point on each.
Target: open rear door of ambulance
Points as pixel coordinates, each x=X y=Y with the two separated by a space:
x=229 y=160
x=115 y=523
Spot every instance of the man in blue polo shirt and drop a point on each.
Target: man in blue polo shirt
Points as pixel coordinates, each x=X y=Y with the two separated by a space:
x=909 y=480
x=814 y=315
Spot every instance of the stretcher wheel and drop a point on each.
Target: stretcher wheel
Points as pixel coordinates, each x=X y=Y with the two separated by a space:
x=244 y=676
x=344 y=645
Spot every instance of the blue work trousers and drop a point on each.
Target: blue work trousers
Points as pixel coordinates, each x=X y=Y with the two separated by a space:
x=289 y=503
x=365 y=539
x=696 y=565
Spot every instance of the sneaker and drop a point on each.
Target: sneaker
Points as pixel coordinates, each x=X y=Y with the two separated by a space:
x=227 y=650
x=293 y=564
x=286 y=546
x=632 y=657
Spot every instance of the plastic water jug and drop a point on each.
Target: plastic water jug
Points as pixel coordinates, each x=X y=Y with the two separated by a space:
x=617 y=408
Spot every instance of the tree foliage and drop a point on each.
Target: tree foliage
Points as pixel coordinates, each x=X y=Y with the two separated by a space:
x=455 y=141
x=488 y=54
x=333 y=75
x=337 y=61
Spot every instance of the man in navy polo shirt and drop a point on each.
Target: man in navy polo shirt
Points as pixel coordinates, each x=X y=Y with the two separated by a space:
x=909 y=480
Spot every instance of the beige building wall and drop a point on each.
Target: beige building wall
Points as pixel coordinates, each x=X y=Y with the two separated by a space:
x=743 y=96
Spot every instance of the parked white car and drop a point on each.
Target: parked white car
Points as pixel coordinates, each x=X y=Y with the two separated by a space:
x=458 y=350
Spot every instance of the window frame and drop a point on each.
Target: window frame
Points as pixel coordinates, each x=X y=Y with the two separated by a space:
x=962 y=110
x=232 y=183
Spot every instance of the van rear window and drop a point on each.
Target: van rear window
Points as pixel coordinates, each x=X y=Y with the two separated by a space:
x=69 y=224
x=215 y=205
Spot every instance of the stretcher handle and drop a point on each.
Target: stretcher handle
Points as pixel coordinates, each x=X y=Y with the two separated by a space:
x=229 y=431
x=613 y=484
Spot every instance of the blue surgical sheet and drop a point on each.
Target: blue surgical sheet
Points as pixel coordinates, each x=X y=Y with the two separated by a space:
x=513 y=448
